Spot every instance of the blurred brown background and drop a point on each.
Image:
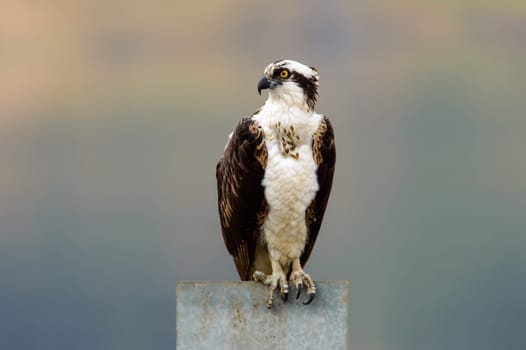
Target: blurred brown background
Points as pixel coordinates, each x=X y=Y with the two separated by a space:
x=113 y=114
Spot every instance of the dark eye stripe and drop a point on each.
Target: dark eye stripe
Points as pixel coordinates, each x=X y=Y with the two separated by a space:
x=309 y=86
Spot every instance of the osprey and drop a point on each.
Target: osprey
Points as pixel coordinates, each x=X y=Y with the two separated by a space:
x=274 y=180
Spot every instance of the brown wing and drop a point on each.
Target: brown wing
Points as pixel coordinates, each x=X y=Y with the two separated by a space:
x=240 y=193
x=324 y=152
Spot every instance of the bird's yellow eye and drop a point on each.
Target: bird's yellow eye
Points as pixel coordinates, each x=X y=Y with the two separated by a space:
x=284 y=74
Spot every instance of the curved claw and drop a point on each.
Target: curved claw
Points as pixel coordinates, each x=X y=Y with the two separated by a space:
x=298 y=287
x=284 y=297
x=311 y=298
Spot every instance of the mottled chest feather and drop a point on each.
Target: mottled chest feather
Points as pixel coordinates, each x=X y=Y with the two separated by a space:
x=288 y=140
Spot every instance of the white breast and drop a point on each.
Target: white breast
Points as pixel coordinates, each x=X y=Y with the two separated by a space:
x=290 y=182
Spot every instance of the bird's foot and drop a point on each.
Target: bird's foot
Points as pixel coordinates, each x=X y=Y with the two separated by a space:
x=273 y=280
x=300 y=279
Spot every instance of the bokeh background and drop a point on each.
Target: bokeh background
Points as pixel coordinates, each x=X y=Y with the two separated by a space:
x=113 y=114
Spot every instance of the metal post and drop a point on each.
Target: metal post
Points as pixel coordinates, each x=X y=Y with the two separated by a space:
x=232 y=315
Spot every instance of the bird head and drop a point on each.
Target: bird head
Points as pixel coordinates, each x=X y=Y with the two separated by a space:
x=291 y=83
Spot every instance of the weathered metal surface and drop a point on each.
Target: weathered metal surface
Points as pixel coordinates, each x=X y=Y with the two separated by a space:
x=233 y=315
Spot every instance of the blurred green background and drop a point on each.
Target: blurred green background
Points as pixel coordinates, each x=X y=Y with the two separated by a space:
x=113 y=114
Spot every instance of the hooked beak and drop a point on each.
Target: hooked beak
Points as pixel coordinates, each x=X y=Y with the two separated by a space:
x=266 y=83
